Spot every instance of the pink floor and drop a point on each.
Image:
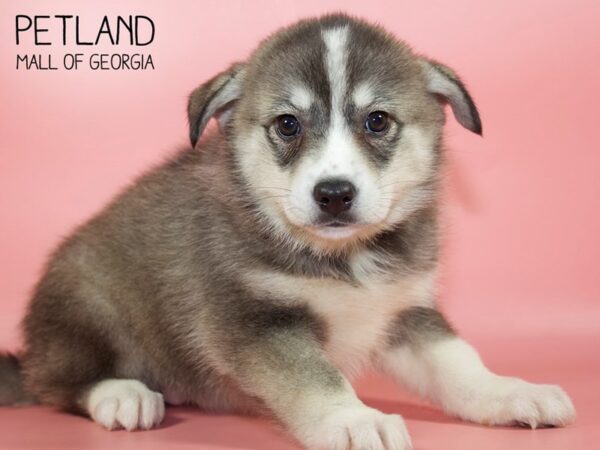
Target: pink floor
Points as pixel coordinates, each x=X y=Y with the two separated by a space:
x=570 y=362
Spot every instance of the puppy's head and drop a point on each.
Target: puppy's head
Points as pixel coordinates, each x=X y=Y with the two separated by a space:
x=335 y=127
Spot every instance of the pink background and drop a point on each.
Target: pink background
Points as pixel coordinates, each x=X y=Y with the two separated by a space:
x=521 y=276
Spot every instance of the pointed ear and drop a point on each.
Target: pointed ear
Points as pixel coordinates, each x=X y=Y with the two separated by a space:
x=442 y=81
x=214 y=99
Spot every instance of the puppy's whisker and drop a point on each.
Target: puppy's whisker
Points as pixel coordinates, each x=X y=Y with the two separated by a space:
x=272 y=196
x=273 y=187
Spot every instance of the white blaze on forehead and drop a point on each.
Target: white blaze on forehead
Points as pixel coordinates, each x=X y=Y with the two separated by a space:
x=339 y=157
x=301 y=97
x=335 y=61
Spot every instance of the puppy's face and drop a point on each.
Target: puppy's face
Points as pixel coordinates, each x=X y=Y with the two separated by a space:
x=336 y=129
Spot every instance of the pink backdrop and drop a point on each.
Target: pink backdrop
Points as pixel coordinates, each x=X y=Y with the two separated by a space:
x=522 y=212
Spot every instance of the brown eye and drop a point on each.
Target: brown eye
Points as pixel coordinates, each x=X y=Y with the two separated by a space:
x=288 y=126
x=377 y=122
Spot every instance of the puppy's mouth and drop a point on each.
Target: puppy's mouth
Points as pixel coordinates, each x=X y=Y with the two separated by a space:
x=335 y=232
x=344 y=219
x=337 y=228
x=336 y=224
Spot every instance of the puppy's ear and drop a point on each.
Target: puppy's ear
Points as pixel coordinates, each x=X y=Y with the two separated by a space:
x=443 y=82
x=214 y=98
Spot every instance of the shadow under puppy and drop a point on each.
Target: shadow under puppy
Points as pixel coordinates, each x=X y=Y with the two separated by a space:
x=258 y=271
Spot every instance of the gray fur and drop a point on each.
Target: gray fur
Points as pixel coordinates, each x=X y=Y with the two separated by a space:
x=456 y=94
x=417 y=325
x=12 y=391
x=212 y=98
x=151 y=287
x=153 y=260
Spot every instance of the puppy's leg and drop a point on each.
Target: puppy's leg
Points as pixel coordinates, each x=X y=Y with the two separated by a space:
x=425 y=355
x=281 y=362
x=73 y=368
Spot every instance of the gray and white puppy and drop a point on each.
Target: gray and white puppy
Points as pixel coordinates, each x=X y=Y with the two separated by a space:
x=260 y=269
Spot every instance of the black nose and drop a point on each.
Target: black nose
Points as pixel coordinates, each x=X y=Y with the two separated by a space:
x=334 y=196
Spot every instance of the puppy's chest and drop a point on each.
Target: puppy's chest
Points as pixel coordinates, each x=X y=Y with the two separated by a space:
x=357 y=318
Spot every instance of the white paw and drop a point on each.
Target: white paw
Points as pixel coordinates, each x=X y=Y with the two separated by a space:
x=125 y=404
x=359 y=428
x=511 y=401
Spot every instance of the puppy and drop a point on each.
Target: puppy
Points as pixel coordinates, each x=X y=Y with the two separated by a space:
x=260 y=269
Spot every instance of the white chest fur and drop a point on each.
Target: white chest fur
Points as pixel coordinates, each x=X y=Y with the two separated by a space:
x=358 y=318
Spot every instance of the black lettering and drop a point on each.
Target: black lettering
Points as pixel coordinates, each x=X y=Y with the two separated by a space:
x=128 y=26
x=39 y=30
x=19 y=29
x=137 y=29
x=23 y=59
x=77 y=34
x=105 y=29
x=64 y=27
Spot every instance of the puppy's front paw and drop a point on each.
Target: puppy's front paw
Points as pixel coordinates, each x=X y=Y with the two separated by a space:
x=511 y=401
x=358 y=428
x=125 y=404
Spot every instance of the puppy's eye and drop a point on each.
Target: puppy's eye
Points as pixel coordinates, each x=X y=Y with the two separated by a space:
x=377 y=122
x=288 y=126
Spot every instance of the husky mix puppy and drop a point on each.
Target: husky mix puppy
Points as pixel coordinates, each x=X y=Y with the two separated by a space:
x=260 y=269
